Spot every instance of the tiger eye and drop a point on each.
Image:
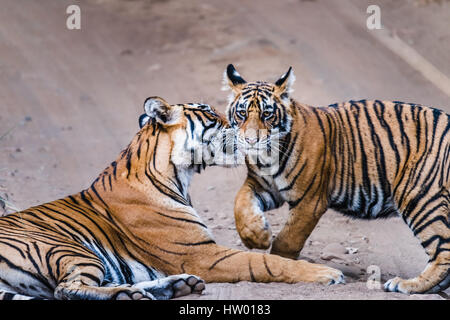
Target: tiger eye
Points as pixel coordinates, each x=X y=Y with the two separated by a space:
x=243 y=113
x=267 y=114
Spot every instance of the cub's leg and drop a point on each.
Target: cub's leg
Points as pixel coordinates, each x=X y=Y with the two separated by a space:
x=430 y=224
x=172 y=286
x=303 y=217
x=250 y=203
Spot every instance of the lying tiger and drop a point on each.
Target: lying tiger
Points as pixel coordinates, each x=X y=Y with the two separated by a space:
x=366 y=159
x=134 y=234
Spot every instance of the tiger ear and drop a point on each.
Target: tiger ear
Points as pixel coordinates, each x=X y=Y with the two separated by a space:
x=143 y=119
x=157 y=108
x=283 y=86
x=233 y=80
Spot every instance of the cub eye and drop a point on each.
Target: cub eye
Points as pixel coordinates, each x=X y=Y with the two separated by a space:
x=267 y=114
x=242 y=113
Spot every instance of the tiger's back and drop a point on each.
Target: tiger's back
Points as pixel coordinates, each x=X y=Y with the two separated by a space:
x=384 y=154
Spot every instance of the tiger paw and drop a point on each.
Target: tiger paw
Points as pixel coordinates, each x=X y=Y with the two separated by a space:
x=172 y=286
x=255 y=237
x=408 y=286
x=133 y=294
x=187 y=284
x=330 y=276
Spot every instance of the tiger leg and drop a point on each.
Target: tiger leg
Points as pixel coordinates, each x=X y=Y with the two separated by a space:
x=81 y=279
x=431 y=227
x=301 y=222
x=216 y=263
x=250 y=203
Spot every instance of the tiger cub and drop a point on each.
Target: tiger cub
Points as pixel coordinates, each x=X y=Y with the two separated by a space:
x=366 y=159
x=133 y=234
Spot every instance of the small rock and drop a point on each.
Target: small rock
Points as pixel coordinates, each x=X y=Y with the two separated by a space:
x=350 y=250
x=210 y=188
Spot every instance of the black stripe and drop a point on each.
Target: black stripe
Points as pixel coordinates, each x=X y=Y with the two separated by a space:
x=223 y=258
x=267 y=267
x=8 y=296
x=293 y=204
x=201 y=243
x=252 y=276
x=182 y=219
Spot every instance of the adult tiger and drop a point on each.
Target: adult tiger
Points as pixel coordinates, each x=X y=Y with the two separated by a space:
x=134 y=234
x=366 y=159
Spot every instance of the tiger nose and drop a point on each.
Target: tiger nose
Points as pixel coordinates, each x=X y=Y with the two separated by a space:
x=251 y=140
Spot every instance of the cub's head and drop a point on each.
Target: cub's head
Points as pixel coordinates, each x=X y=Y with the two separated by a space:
x=259 y=112
x=193 y=134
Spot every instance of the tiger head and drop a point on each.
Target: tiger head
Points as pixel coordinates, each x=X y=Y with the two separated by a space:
x=259 y=112
x=194 y=134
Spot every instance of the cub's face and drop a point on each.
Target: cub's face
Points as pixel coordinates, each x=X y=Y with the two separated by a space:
x=197 y=132
x=259 y=112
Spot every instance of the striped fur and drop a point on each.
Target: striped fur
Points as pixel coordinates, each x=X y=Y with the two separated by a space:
x=133 y=233
x=365 y=159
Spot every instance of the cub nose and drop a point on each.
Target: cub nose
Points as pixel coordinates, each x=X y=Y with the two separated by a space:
x=251 y=140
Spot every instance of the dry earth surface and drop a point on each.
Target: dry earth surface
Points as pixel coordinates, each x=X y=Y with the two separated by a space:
x=70 y=100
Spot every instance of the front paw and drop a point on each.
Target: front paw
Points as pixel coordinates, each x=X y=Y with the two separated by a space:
x=256 y=237
x=409 y=286
x=330 y=276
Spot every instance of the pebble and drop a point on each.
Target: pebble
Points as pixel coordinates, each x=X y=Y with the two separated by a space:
x=350 y=250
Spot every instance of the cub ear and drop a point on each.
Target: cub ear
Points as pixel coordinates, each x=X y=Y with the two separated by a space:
x=143 y=119
x=157 y=108
x=232 y=79
x=283 y=86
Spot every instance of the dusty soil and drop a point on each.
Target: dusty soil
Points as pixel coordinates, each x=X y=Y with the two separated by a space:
x=70 y=100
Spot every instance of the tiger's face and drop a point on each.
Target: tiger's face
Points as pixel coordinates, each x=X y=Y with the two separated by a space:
x=196 y=132
x=259 y=112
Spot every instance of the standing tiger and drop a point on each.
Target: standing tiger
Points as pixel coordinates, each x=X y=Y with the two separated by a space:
x=365 y=159
x=133 y=234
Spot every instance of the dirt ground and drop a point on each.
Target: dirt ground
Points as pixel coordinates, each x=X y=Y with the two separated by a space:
x=70 y=100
